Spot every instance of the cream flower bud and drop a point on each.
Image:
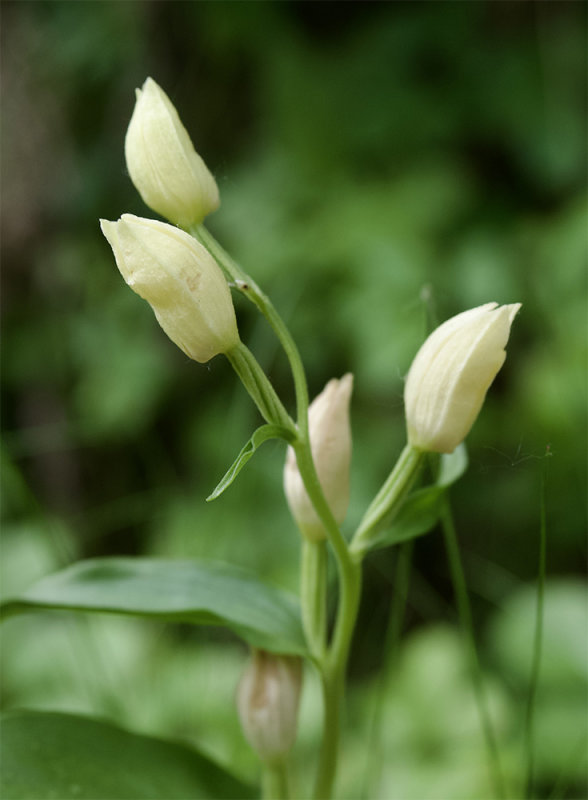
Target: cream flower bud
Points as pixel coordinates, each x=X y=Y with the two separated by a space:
x=448 y=380
x=180 y=280
x=330 y=442
x=167 y=172
x=267 y=701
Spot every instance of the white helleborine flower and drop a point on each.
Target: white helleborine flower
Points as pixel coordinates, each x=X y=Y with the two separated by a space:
x=180 y=280
x=448 y=380
x=330 y=442
x=268 y=696
x=165 y=168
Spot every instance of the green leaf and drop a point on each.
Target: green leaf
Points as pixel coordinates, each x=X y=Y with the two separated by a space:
x=260 y=436
x=47 y=755
x=418 y=514
x=420 y=511
x=452 y=466
x=201 y=593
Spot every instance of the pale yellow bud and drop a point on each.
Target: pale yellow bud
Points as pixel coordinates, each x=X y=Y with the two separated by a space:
x=167 y=172
x=268 y=696
x=180 y=280
x=330 y=442
x=448 y=380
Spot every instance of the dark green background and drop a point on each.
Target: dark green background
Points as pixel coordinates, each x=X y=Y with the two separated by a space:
x=374 y=160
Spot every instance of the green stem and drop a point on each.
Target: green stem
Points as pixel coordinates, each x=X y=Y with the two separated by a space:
x=466 y=622
x=333 y=678
x=257 y=384
x=275 y=781
x=537 y=647
x=388 y=500
x=349 y=571
x=333 y=691
x=247 y=286
x=313 y=595
x=401 y=586
x=314 y=490
x=334 y=665
x=390 y=653
x=349 y=597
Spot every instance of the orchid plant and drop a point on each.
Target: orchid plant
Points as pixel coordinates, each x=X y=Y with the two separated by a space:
x=187 y=278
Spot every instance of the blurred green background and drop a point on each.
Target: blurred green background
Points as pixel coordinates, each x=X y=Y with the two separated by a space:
x=376 y=161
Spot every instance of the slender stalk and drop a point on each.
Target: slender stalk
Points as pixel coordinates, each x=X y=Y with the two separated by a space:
x=467 y=627
x=275 y=781
x=247 y=286
x=257 y=384
x=350 y=594
x=313 y=596
x=537 y=646
x=349 y=572
x=334 y=665
x=333 y=690
x=390 y=653
x=402 y=583
x=333 y=677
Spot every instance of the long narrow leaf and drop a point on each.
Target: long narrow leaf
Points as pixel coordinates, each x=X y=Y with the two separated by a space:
x=200 y=593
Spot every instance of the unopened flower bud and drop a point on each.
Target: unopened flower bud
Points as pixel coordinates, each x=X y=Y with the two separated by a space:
x=267 y=701
x=330 y=442
x=180 y=280
x=167 y=172
x=448 y=380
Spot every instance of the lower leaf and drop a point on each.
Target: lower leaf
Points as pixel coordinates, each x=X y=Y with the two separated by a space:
x=48 y=755
x=196 y=592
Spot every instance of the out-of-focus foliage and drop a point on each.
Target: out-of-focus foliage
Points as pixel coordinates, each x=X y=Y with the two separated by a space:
x=45 y=755
x=375 y=162
x=562 y=726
